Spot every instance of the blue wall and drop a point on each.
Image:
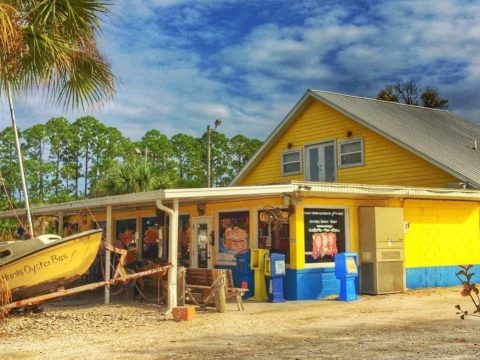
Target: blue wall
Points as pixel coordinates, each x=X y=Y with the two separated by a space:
x=308 y=284
x=437 y=276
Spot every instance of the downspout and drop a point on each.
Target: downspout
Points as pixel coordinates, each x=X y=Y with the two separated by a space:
x=172 y=253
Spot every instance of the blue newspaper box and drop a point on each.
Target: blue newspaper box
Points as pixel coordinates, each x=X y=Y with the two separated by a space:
x=275 y=272
x=346 y=270
x=243 y=274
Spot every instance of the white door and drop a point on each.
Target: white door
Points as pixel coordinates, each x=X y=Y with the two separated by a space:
x=320 y=162
x=201 y=254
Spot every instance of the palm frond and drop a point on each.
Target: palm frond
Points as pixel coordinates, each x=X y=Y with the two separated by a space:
x=56 y=51
x=74 y=18
x=89 y=80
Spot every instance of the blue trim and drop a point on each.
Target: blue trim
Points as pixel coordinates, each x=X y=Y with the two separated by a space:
x=437 y=276
x=310 y=284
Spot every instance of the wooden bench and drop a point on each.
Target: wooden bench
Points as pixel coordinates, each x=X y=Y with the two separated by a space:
x=233 y=292
x=201 y=285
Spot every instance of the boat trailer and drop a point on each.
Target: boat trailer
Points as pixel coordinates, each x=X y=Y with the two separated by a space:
x=120 y=277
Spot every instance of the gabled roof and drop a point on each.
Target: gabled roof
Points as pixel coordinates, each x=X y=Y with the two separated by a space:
x=438 y=136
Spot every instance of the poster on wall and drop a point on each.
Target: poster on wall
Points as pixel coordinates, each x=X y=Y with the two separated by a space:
x=233 y=232
x=126 y=233
x=324 y=234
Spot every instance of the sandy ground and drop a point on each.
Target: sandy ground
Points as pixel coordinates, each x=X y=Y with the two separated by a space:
x=414 y=325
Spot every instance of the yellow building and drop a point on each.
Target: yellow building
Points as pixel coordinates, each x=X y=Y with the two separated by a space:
x=335 y=138
x=396 y=184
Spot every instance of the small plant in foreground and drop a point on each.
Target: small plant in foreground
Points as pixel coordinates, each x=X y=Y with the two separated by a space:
x=469 y=289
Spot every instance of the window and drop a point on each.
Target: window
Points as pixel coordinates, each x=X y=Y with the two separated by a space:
x=126 y=233
x=320 y=162
x=351 y=153
x=291 y=163
x=184 y=240
x=151 y=237
x=274 y=231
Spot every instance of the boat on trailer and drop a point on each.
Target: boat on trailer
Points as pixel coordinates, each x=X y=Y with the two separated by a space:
x=47 y=262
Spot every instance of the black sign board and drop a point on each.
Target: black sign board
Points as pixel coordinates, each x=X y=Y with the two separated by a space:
x=324 y=234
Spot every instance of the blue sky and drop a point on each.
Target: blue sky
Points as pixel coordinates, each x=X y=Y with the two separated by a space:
x=181 y=64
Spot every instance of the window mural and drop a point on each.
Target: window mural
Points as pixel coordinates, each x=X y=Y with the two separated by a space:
x=100 y=225
x=274 y=230
x=324 y=234
x=151 y=238
x=70 y=228
x=184 y=240
x=233 y=235
x=125 y=235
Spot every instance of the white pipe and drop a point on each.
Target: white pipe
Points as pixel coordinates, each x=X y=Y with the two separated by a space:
x=172 y=253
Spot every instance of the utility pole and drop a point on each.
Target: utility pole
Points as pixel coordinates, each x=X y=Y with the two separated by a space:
x=218 y=122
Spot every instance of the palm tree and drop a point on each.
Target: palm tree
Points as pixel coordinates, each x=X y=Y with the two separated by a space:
x=132 y=176
x=50 y=45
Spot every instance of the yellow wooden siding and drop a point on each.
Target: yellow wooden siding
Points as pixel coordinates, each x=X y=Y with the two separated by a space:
x=441 y=233
x=385 y=162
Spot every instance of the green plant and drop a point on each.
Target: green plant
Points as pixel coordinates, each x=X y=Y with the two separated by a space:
x=469 y=289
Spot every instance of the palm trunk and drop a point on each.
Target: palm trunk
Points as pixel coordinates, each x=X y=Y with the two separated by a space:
x=20 y=161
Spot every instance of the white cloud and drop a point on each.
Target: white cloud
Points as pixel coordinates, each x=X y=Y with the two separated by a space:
x=181 y=64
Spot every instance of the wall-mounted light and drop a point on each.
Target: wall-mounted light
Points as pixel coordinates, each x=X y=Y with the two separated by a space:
x=201 y=209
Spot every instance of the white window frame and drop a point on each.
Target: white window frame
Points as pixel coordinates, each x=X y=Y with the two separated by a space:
x=307 y=158
x=362 y=153
x=300 y=162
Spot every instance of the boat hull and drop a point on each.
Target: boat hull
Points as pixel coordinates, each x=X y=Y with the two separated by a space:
x=51 y=267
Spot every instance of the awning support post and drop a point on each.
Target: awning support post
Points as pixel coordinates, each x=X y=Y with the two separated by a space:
x=172 y=253
x=108 y=253
x=60 y=223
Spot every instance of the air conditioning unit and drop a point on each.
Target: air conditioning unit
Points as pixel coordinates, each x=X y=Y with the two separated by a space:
x=381 y=231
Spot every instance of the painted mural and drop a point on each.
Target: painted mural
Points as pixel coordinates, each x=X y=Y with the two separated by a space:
x=233 y=231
